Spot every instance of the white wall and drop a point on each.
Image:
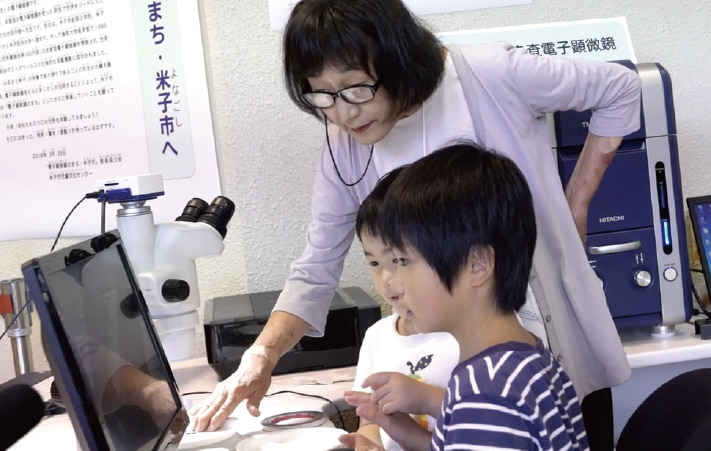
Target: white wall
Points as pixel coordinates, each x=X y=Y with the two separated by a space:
x=268 y=149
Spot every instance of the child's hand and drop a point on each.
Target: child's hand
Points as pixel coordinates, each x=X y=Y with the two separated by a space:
x=396 y=392
x=356 y=398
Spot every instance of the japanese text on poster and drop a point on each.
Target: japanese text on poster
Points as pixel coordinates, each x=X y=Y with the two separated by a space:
x=598 y=39
x=94 y=89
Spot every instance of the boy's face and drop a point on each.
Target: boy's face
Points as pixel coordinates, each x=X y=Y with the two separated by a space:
x=382 y=265
x=423 y=294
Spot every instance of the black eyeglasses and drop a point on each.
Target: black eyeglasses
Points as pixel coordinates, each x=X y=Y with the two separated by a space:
x=355 y=95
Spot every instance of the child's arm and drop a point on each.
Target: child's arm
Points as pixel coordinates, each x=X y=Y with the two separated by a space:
x=399 y=426
x=395 y=392
x=359 y=442
x=371 y=431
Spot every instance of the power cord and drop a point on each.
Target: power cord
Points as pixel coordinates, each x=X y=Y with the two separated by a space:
x=93 y=195
x=702 y=327
x=697 y=297
x=103 y=215
x=191 y=393
x=698 y=301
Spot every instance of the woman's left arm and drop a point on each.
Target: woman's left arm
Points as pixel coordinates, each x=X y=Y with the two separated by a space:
x=548 y=84
x=610 y=90
x=596 y=156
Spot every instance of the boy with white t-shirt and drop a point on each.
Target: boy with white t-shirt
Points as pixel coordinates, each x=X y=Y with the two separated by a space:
x=413 y=368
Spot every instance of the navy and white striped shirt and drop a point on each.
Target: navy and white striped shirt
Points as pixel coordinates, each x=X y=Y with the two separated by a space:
x=511 y=396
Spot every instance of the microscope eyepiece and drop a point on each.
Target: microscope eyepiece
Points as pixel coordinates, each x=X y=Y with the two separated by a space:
x=193 y=209
x=218 y=214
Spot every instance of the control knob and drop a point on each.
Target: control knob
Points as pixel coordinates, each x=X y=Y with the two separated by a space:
x=670 y=274
x=642 y=278
x=175 y=290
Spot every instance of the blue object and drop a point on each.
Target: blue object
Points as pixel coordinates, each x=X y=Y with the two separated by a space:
x=636 y=240
x=124 y=195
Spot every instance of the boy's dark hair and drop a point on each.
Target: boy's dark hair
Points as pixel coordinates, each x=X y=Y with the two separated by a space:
x=462 y=198
x=369 y=210
x=379 y=37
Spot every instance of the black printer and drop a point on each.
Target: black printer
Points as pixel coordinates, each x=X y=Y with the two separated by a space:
x=232 y=323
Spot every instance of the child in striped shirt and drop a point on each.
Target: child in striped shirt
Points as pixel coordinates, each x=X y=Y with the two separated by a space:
x=462 y=226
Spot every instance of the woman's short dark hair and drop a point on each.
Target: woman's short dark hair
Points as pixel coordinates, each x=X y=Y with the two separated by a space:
x=379 y=37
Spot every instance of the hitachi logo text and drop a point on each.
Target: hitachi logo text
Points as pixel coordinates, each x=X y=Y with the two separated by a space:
x=612 y=218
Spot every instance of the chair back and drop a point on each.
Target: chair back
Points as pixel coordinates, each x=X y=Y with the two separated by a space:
x=675 y=416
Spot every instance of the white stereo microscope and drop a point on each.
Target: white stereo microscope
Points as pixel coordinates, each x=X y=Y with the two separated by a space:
x=163 y=255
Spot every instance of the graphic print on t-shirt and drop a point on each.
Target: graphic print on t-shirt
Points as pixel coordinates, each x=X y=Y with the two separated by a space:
x=423 y=363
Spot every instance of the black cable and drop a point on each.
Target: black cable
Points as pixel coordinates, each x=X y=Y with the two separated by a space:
x=53 y=407
x=328 y=141
x=696 y=295
x=698 y=301
x=103 y=215
x=94 y=195
x=14 y=318
x=65 y=221
x=196 y=393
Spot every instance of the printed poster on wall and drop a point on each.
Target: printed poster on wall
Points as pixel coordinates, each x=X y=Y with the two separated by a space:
x=92 y=90
x=598 y=39
x=279 y=10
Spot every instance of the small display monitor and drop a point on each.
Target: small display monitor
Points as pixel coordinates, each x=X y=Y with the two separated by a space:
x=104 y=353
x=700 y=217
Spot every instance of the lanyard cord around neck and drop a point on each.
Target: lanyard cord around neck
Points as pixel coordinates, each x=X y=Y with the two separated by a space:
x=372 y=146
x=330 y=152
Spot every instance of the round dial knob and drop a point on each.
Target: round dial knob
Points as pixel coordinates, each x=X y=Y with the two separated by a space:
x=175 y=290
x=670 y=274
x=642 y=278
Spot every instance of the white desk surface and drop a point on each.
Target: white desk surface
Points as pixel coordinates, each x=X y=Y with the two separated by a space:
x=194 y=375
x=190 y=376
x=653 y=361
x=643 y=350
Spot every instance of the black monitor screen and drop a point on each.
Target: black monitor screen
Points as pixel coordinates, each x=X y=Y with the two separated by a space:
x=109 y=366
x=700 y=217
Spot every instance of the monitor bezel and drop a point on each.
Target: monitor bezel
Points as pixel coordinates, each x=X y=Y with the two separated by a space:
x=691 y=203
x=62 y=361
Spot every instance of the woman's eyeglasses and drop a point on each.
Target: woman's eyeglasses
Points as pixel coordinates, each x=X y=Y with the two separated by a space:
x=355 y=95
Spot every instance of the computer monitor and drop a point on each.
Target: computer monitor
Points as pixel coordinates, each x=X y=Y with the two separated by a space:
x=700 y=218
x=104 y=353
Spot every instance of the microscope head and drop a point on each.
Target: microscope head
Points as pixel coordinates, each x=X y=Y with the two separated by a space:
x=197 y=232
x=163 y=256
x=171 y=286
